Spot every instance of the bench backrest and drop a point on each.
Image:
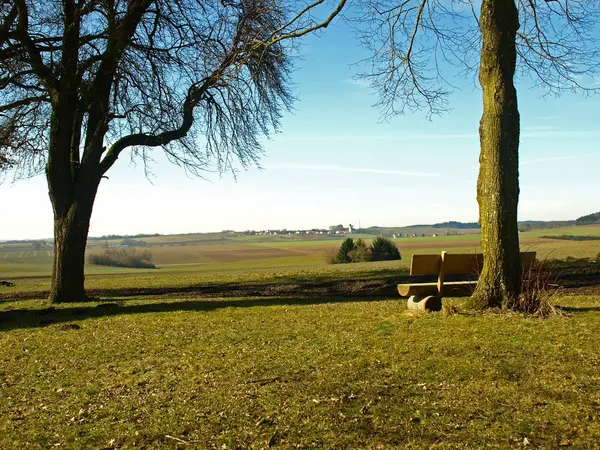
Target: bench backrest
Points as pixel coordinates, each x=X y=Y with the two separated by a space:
x=456 y=264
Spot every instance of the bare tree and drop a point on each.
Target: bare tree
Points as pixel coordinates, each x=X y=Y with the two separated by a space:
x=417 y=44
x=81 y=81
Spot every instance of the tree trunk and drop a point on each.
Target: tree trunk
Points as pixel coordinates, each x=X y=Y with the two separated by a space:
x=72 y=189
x=498 y=182
x=70 y=238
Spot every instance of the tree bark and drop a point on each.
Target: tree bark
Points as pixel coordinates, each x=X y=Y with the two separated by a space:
x=70 y=238
x=498 y=181
x=72 y=190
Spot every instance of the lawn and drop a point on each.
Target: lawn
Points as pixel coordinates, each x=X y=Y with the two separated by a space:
x=205 y=366
x=288 y=372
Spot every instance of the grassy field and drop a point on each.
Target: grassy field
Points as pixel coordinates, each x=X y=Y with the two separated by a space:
x=296 y=373
x=186 y=370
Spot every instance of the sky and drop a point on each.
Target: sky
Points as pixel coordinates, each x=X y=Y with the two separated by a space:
x=335 y=161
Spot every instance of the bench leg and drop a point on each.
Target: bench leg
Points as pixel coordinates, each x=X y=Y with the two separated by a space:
x=428 y=303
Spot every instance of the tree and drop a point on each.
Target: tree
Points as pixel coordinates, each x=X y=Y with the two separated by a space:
x=413 y=42
x=384 y=249
x=360 y=253
x=83 y=81
x=343 y=255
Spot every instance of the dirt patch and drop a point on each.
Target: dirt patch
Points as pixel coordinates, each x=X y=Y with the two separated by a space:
x=579 y=277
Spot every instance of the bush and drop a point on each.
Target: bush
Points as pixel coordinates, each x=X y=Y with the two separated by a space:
x=384 y=249
x=331 y=256
x=123 y=257
x=360 y=252
x=538 y=285
x=343 y=255
x=134 y=242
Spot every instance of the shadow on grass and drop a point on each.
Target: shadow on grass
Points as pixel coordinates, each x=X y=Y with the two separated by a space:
x=379 y=282
x=31 y=318
x=580 y=309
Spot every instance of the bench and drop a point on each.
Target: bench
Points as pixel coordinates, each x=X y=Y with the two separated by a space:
x=428 y=295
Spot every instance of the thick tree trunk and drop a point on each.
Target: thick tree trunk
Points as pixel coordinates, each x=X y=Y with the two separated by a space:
x=70 y=238
x=498 y=182
x=72 y=188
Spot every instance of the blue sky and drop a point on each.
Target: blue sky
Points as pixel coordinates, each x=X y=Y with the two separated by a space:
x=336 y=162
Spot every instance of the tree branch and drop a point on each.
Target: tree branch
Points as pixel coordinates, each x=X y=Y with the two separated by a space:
x=23 y=102
x=36 y=61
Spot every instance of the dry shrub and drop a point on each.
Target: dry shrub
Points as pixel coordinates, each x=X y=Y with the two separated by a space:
x=331 y=256
x=538 y=285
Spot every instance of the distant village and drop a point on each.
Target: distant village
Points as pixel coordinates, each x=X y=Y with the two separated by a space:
x=333 y=230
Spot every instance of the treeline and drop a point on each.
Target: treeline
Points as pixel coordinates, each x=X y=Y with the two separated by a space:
x=109 y=237
x=351 y=251
x=123 y=257
x=529 y=225
x=589 y=219
x=459 y=225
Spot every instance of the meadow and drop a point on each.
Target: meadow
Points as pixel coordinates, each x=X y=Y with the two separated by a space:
x=228 y=345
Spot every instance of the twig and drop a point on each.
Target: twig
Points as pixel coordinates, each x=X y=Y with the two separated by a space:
x=264 y=381
x=177 y=439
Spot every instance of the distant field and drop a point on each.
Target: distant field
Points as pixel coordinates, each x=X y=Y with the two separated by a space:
x=256 y=257
x=216 y=252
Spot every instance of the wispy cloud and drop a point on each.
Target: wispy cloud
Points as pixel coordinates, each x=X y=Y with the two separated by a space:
x=575 y=134
x=356 y=82
x=370 y=170
x=529 y=132
x=367 y=137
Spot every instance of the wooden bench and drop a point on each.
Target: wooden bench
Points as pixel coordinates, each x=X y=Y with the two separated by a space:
x=428 y=295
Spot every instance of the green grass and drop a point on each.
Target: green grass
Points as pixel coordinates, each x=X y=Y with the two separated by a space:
x=587 y=230
x=296 y=373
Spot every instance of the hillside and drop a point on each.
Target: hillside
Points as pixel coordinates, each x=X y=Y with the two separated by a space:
x=590 y=219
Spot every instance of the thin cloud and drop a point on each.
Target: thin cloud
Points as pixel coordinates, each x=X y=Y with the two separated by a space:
x=581 y=134
x=533 y=132
x=365 y=137
x=357 y=82
x=326 y=168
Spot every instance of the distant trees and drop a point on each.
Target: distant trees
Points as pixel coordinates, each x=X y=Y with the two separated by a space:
x=134 y=242
x=83 y=83
x=123 y=257
x=343 y=255
x=384 y=249
x=360 y=253
x=350 y=251
x=589 y=219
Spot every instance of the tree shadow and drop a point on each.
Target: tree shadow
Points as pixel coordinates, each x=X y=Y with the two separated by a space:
x=32 y=318
x=580 y=309
x=368 y=283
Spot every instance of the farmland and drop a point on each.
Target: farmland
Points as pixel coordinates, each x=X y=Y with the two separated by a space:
x=220 y=252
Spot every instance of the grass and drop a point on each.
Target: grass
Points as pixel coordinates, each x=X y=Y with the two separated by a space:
x=296 y=373
x=291 y=372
